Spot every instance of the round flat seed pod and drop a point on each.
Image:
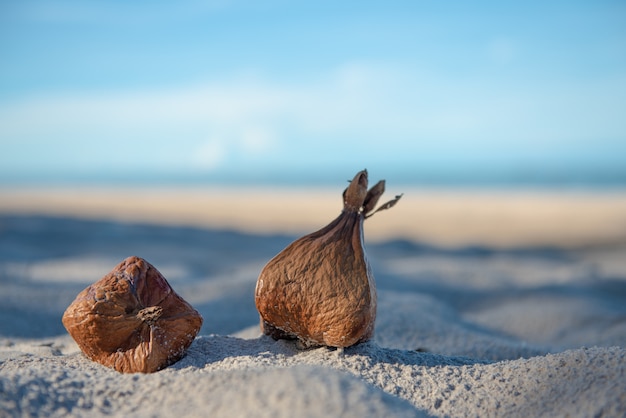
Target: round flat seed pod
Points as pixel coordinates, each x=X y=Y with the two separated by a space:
x=132 y=320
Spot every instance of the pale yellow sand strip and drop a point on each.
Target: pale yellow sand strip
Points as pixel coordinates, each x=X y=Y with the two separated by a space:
x=442 y=217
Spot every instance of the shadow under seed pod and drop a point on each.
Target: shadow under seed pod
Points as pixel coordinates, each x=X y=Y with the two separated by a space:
x=132 y=320
x=320 y=289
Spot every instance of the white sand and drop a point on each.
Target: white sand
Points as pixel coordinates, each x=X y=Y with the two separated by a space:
x=488 y=330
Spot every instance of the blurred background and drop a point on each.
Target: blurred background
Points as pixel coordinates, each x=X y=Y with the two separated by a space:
x=503 y=122
x=240 y=92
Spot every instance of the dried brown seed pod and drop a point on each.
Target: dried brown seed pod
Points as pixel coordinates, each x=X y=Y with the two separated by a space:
x=320 y=289
x=132 y=320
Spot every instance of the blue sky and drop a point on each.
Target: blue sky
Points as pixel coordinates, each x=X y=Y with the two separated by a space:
x=263 y=91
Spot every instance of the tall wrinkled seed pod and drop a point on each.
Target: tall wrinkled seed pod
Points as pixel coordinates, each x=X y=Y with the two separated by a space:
x=132 y=320
x=320 y=289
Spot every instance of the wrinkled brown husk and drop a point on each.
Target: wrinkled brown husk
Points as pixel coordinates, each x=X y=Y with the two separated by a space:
x=132 y=320
x=320 y=289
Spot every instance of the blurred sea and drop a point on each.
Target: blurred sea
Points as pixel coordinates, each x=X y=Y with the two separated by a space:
x=610 y=177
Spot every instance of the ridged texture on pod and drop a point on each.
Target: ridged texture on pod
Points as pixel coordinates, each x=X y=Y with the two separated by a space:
x=132 y=320
x=320 y=289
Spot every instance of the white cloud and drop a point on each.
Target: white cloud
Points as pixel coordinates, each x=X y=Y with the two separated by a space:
x=231 y=144
x=209 y=155
x=257 y=140
x=366 y=109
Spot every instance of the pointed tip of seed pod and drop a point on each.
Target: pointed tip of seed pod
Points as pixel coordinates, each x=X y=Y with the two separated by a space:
x=354 y=195
x=373 y=194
